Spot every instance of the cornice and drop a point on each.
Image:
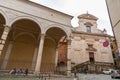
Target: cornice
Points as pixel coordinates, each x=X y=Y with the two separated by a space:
x=92 y=34
x=40 y=5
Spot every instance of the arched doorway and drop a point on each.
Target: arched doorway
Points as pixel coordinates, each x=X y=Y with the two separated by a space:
x=53 y=36
x=2 y=23
x=21 y=43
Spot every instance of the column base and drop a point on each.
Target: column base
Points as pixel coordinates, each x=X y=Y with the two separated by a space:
x=75 y=79
x=69 y=73
x=36 y=73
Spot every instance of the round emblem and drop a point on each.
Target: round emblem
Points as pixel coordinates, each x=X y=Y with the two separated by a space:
x=106 y=44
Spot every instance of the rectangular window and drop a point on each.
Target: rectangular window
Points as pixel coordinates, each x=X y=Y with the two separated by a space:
x=88 y=29
x=90 y=45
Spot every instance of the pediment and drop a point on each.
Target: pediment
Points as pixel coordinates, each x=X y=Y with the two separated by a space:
x=91 y=49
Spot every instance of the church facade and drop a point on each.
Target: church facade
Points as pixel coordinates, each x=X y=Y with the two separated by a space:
x=31 y=34
x=90 y=46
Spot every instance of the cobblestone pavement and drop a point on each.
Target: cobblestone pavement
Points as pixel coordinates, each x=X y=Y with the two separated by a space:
x=94 y=77
x=34 y=78
x=80 y=77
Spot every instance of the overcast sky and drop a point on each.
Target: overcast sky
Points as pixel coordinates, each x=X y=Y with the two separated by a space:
x=76 y=7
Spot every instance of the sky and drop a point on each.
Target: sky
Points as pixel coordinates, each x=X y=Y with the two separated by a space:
x=77 y=7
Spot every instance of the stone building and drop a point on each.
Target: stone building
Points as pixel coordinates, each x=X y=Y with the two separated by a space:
x=31 y=36
x=114 y=48
x=114 y=14
x=90 y=47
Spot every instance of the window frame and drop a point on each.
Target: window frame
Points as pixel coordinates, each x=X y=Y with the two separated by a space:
x=88 y=29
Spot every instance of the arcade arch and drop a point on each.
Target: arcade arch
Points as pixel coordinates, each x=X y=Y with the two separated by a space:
x=21 y=45
x=2 y=23
x=24 y=17
x=50 y=49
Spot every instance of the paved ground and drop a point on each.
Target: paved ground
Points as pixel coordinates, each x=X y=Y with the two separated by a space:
x=95 y=77
x=80 y=77
x=34 y=78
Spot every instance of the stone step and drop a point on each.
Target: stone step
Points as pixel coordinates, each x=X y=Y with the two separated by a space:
x=32 y=78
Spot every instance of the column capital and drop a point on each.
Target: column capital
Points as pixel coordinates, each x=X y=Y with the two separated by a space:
x=7 y=28
x=6 y=25
x=42 y=34
x=69 y=41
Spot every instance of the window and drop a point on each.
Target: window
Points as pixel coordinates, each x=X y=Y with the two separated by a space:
x=90 y=45
x=88 y=29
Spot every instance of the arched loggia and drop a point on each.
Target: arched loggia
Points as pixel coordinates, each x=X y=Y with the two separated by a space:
x=50 y=50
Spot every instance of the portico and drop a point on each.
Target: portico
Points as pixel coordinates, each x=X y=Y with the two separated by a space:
x=28 y=39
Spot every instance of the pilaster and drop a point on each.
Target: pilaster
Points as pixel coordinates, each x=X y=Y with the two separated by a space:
x=7 y=54
x=68 y=57
x=56 y=57
x=4 y=37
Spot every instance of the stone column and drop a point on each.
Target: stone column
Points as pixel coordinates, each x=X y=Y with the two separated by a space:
x=39 y=56
x=4 y=37
x=7 y=54
x=68 y=58
x=34 y=58
x=56 y=57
